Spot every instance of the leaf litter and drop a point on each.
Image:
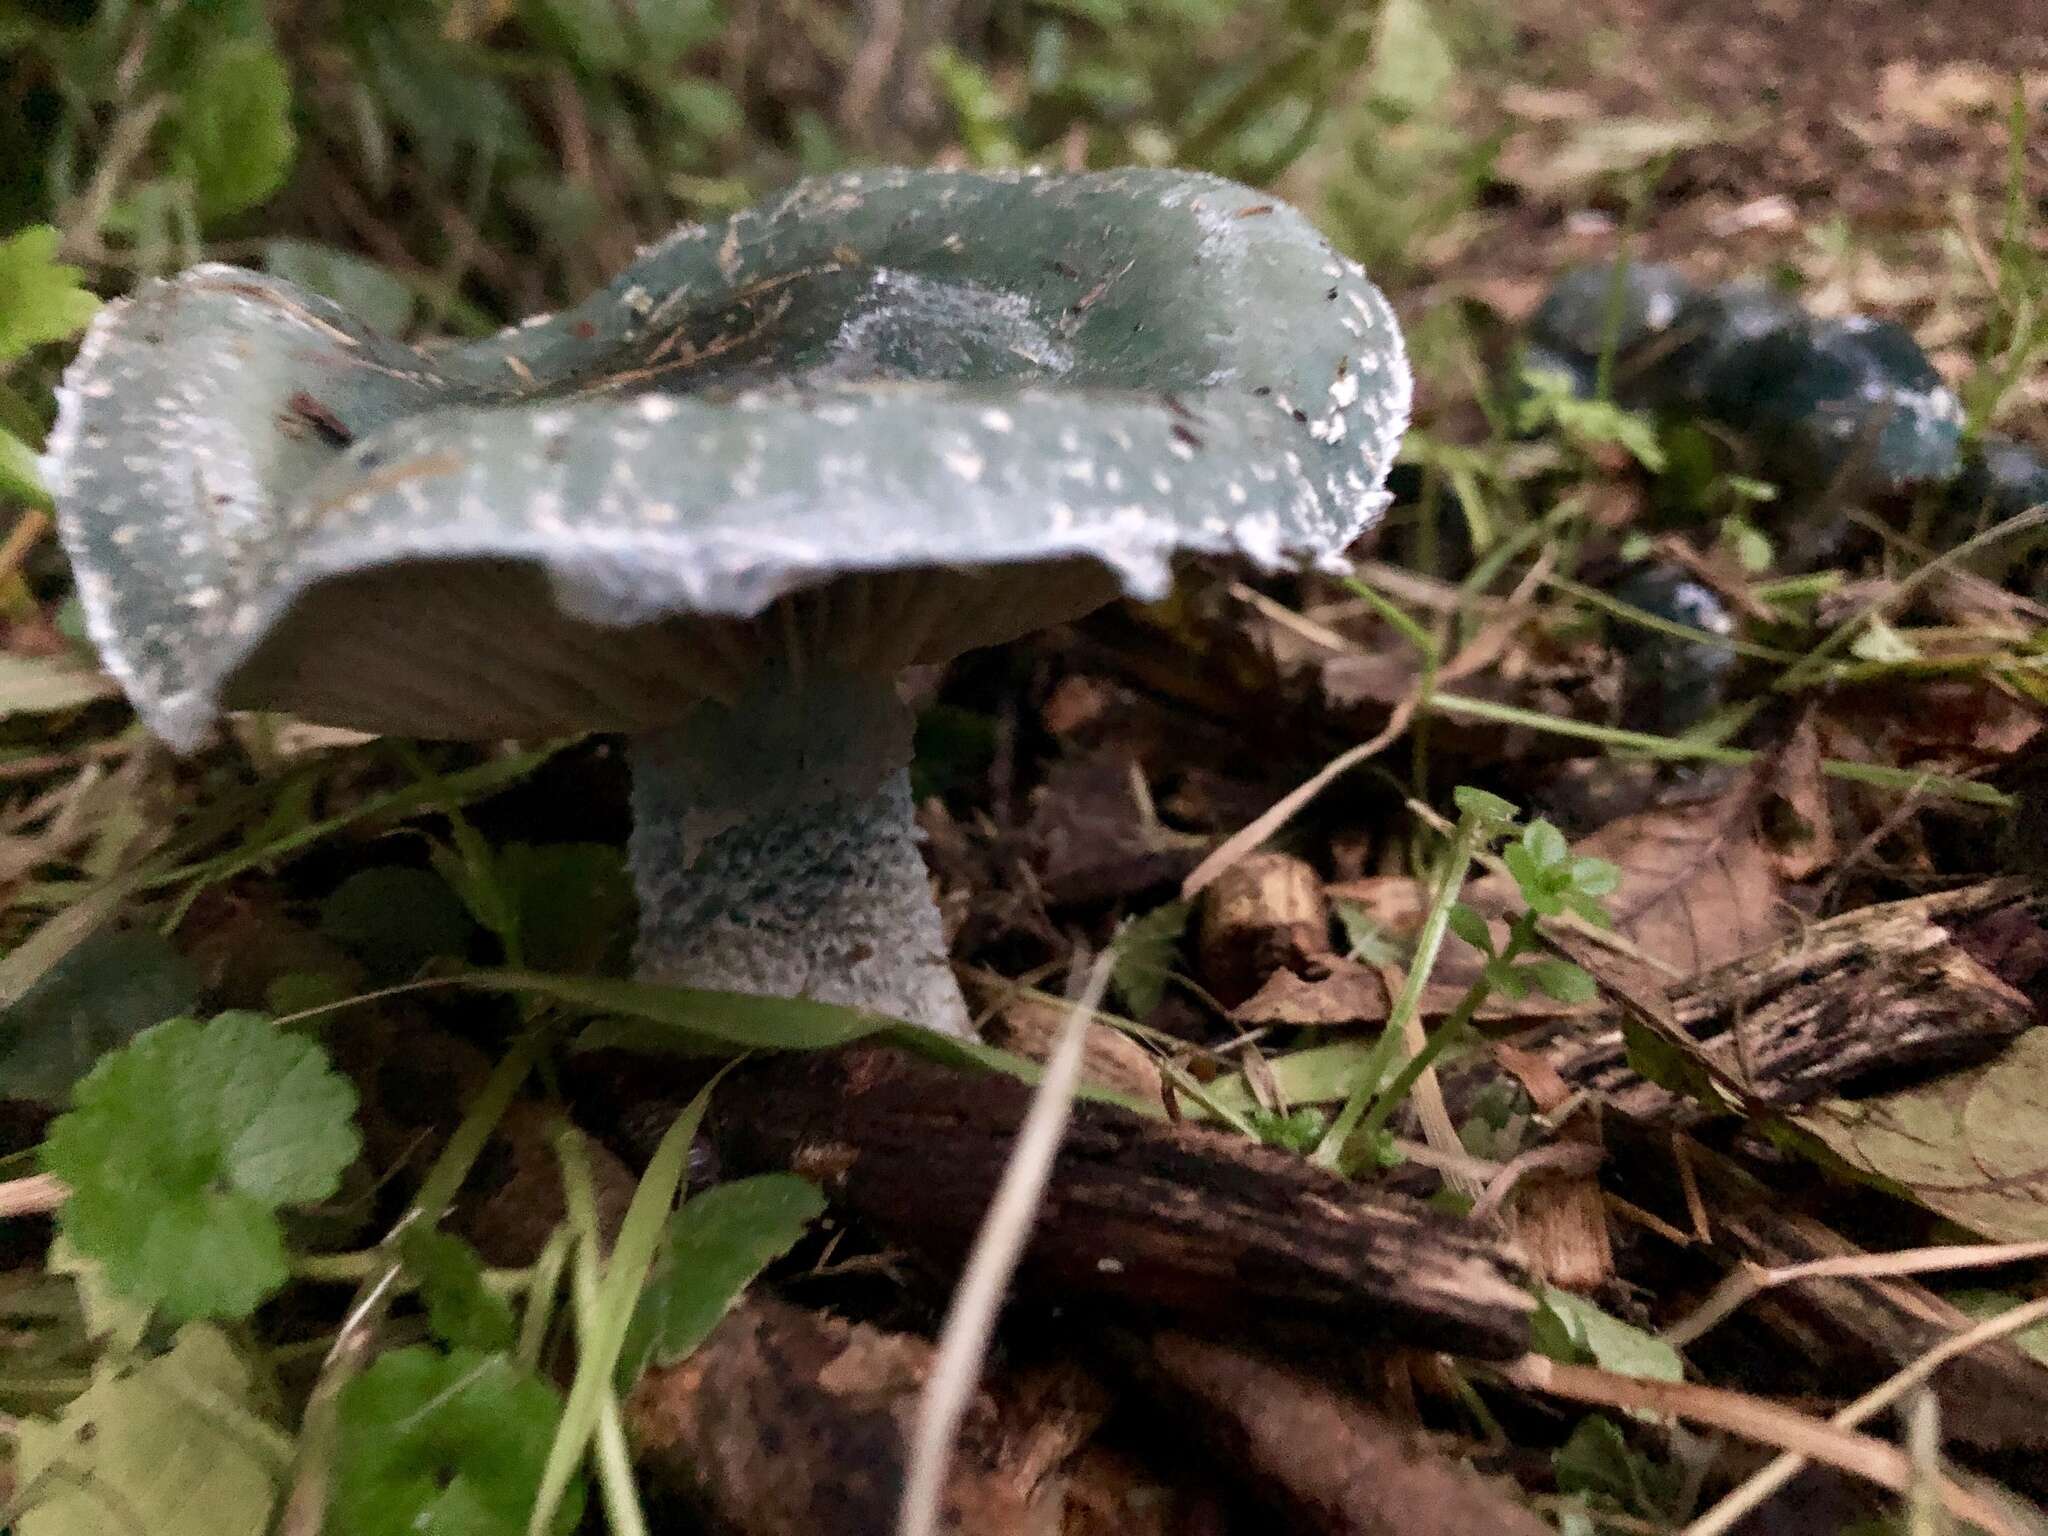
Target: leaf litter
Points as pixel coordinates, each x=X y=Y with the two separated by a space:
x=1767 y=1001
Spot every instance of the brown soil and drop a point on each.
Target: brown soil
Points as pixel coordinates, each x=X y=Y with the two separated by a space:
x=1863 y=143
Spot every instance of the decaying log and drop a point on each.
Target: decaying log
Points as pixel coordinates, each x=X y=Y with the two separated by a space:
x=1265 y=913
x=1880 y=989
x=1171 y=1219
x=1995 y=1397
x=1330 y=1463
x=787 y=1422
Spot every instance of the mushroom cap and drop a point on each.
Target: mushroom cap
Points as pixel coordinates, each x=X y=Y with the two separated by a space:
x=882 y=418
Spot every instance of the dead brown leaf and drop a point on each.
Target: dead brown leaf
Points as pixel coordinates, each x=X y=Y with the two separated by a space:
x=1698 y=887
x=1094 y=839
x=1331 y=994
x=1804 y=838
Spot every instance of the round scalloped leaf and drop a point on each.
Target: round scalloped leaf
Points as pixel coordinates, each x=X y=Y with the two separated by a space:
x=451 y=1444
x=929 y=410
x=180 y=1150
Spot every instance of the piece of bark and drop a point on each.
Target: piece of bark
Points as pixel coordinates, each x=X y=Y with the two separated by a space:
x=1263 y=914
x=1876 y=990
x=1169 y=1218
x=1995 y=1397
x=787 y=1422
x=1557 y=1211
x=1331 y=1464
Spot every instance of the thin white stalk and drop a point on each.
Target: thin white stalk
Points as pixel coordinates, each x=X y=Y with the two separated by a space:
x=971 y=1319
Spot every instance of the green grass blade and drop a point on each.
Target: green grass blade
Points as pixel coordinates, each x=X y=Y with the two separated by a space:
x=618 y=1294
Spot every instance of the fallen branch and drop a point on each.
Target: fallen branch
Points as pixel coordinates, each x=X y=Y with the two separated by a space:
x=1875 y=990
x=1724 y=1515
x=1753 y=1418
x=1846 y=1309
x=1171 y=1220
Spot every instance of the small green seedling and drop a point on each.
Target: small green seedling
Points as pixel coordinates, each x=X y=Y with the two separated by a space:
x=1551 y=881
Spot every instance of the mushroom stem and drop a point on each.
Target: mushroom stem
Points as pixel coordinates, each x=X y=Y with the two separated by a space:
x=775 y=853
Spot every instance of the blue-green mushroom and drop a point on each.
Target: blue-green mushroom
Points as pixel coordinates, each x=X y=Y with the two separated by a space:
x=718 y=506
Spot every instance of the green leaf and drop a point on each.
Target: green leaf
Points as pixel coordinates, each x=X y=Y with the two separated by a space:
x=306 y=992
x=440 y=93
x=1589 y=907
x=1468 y=925
x=1570 y=1328
x=1481 y=806
x=233 y=132
x=1545 y=843
x=111 y=1319
x=978 y=105
x=1983 y=1305
x=1298 y=1130
x=1595 y=877
x=715 y=1246
x=172 y=1448
x=665 y=30
x=1364 y=938
x=1560 y=981
x=685 y=1021
x=1966 y=1145
x=451 y=1444
x=1550 y=402
x=41 y=298
x=461 y=1309
x=572 y=904
x=20 y=478
x=1146 y=949
x=1751 y=544
x=116 y=983
x=183 y=1146
x=1412 y=65
x=470 y=866
x=1659 y=1060
x=592 y=33
x=1598 y=1461
x=395 y=919
x=1528 y=875
x=1879 y=641
x=602 y=1325
x=704 y=111
x=1506 y=979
